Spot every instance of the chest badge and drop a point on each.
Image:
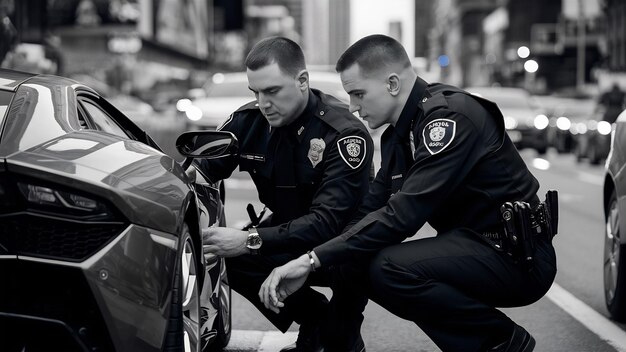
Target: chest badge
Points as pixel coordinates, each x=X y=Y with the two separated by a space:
x=316 y=150
x=352 y=150
x=438 y=134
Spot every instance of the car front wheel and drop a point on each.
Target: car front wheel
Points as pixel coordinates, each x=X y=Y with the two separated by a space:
x=614 y=266
x=184 y=324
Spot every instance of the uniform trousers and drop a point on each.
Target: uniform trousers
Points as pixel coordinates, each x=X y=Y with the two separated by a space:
x=246 y=274
x=451 y=284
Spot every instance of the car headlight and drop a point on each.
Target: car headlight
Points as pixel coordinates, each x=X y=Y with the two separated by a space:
x=48 y=199
x=183 y=104
x=604 y=128
x=563 y=123
x=193 y=113
x=541 y=121
x=509 y=123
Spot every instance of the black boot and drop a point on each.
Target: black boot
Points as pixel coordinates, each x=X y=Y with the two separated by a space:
x=308 y=339
x=520 y=341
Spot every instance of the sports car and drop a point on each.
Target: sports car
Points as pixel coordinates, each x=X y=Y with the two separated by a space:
x=100 y=246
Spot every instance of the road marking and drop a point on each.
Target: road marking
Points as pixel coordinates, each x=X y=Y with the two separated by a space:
x=592 y=320
x=239 y=184
x=591 y=178
x=261 y=341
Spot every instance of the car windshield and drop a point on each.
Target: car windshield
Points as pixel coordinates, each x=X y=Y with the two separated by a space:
x=5 y=100
x=229 y=89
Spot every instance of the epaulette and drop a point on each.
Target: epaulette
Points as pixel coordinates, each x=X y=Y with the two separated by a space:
x=336 y=114
x=436 y=102
x=253 y=105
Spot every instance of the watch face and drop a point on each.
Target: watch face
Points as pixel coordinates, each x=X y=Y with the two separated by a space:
x=254 y=241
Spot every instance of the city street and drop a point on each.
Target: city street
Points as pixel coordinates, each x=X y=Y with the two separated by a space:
x=571 y=317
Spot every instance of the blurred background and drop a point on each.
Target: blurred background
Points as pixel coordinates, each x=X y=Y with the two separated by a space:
x=556 y=69
x=160 y=57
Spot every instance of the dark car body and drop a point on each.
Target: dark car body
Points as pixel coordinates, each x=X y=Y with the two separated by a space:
x=615 y=217
x=100 y=230
x=524 y=120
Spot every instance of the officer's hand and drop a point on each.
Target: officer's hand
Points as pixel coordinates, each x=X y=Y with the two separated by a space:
x=224 y=241
x=283 y=281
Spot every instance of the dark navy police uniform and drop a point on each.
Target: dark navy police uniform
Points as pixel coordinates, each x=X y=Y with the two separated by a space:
x=312 y=175
x=448 y=162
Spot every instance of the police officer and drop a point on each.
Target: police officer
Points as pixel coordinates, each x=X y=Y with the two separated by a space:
x=310 y=160
x=446 y=160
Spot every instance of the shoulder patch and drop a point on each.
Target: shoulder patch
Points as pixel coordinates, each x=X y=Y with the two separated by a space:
x=353 y=150
x=438 y=134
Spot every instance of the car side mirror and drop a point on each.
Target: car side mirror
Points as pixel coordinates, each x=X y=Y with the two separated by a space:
x=206 y=144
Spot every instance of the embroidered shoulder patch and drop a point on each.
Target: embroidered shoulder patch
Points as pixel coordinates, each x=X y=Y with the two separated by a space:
x=352 y=150
x=438 y=134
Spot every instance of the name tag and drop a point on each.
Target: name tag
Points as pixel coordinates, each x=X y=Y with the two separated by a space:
x=395 y=177
x=255 y=157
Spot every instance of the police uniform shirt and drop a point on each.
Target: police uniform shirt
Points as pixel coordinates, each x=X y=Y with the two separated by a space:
x=463 y=169
x=332 y=156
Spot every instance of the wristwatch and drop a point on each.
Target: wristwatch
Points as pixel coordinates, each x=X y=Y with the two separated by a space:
x=254 y=241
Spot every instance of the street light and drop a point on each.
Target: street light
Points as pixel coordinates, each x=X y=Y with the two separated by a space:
x=523 y=52
x=531 y=66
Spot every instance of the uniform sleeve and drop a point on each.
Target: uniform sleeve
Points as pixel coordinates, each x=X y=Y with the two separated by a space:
x=436 y=173
x=222 y=168
x=342 y=188
x=375 y=199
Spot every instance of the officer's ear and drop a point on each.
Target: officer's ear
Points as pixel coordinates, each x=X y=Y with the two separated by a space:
x=303 y=80
x=393 y=84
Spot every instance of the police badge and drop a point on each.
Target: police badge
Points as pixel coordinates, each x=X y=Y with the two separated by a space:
x=352 y=150
x=316 y=150
x=438 y=134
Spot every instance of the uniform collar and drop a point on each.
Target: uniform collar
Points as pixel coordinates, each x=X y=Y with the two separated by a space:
x=299 y=125
x=411 y=108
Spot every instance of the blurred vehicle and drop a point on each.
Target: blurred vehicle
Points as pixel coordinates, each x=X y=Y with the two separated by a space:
x=592 y=138
x=524 y=121
x=208 y=107
x=564 y=114
x=100 y=246
x=615 y=216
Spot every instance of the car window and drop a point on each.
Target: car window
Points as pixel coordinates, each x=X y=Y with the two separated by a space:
x=101 y=120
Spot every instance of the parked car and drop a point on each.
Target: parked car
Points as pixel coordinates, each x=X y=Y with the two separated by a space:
x=525 y=122
x=208 y=107
x=100 y=246
x=593 y=139
x=564 y=114
x=615 y=216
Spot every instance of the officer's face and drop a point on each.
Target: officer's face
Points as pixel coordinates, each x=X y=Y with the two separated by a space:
x=369 y=96
x=281 y=97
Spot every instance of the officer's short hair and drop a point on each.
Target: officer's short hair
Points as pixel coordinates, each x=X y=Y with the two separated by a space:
x=285 y=52
x=373 y=53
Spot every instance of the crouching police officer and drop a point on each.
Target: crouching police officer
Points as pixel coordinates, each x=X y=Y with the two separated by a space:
x=310 y=160
x=446 y=160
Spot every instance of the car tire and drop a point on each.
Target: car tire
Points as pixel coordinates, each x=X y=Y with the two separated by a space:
x=223 y=322
x=614 y=264
x=183 y=332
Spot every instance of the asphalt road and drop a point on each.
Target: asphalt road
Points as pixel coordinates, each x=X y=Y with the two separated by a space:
x=571 y=317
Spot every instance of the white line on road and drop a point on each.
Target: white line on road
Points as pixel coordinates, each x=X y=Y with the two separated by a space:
x=260 y=341
x=591 y=319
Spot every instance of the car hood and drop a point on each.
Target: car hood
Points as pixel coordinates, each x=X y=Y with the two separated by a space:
x=134 y=176
x=220 y=107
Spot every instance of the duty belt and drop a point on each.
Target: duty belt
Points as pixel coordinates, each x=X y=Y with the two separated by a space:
x=522 y=225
